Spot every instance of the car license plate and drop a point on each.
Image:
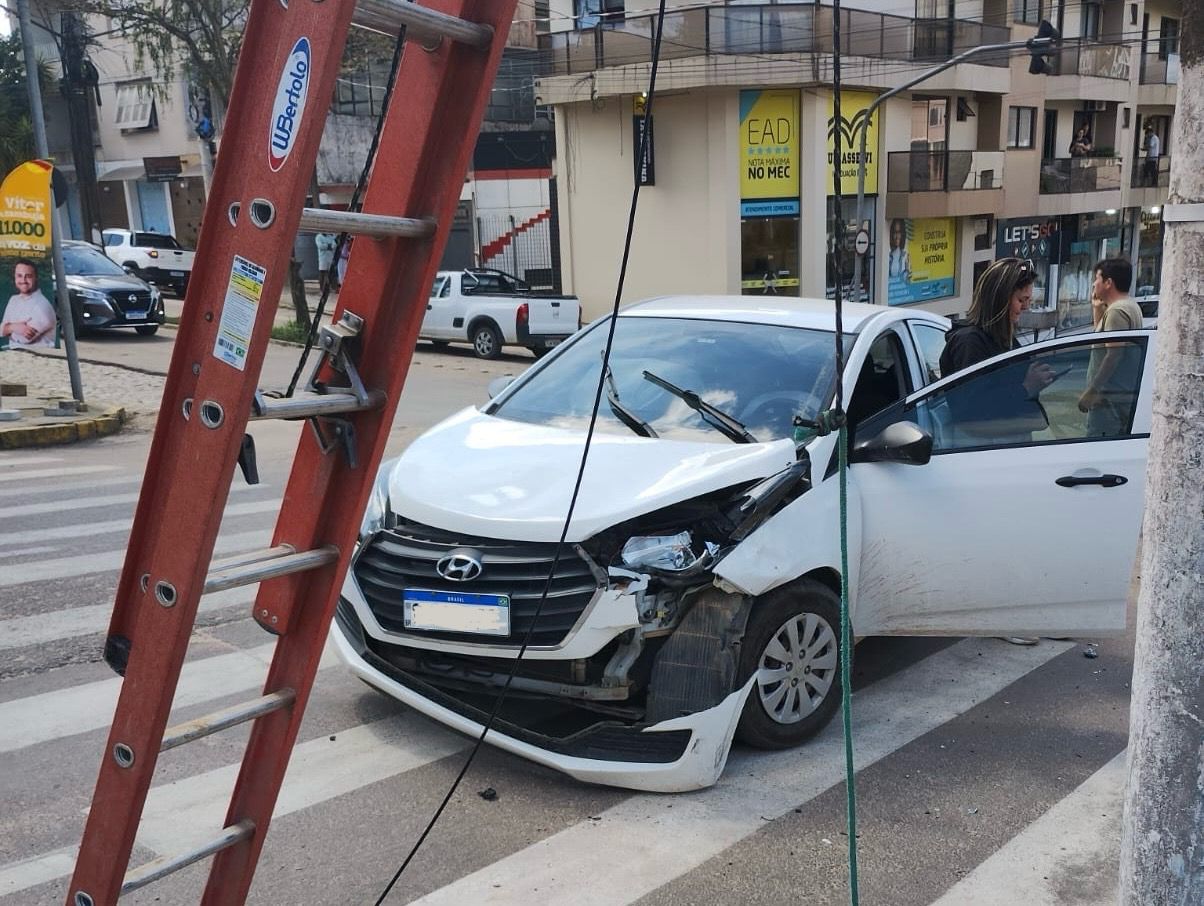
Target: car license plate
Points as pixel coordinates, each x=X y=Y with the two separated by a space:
x=135 y=315
x=447 y=611
x=551 y=343
x=177 y=273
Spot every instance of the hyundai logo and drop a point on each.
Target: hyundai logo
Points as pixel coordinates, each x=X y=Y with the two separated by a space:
x=460 y=566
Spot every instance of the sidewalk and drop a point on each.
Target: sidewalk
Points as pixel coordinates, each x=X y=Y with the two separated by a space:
x=45 y=420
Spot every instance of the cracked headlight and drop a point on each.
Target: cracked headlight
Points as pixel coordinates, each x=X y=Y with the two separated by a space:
x=378 y=515
x=669 y=552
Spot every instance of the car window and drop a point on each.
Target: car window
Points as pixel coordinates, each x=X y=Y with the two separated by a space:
x=993 y=408
x=441 y=287
x=883 y=379
x=112 y=239
x=83 y=260
x=484 y=283
x=762 y=375
x=156 y=241
x=930 y=340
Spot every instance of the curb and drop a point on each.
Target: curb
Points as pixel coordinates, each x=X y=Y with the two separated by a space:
x=103 y=425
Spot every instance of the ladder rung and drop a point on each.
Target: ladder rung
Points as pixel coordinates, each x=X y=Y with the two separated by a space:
x=226 y=718
x=421 y=24
x=162 y=867
x=321 y=220
x=308 y=404
x=268 y=564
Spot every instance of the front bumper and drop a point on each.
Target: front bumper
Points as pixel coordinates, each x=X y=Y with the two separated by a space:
x=675 y=755
x=94 y=313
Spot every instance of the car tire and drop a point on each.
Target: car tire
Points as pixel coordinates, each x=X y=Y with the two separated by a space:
x=540 y=351
x=792 y=643
x=147 y=330
x=486 y=341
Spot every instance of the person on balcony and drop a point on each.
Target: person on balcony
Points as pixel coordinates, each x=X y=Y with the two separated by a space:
x=1153 y=151
x=1081 y=145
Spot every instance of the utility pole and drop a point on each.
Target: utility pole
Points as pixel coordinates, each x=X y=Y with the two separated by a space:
x=1162 y=845
x=80 y=79
x=66 y=318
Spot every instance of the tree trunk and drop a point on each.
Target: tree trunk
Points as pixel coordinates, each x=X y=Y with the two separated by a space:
x=1162 y=847
x=297 y=288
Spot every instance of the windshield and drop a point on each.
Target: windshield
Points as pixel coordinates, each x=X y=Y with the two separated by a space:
x=83 y=260
x=758 y=374
x=156 y=241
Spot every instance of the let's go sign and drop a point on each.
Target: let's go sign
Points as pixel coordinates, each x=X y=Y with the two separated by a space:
x=769 y=153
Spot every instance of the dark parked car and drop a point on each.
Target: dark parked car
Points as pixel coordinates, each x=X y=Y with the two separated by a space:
x=103 y=295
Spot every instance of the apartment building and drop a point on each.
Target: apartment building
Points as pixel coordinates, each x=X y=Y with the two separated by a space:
x=738 y=193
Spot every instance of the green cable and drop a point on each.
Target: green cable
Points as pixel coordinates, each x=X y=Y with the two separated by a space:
x=846 y=659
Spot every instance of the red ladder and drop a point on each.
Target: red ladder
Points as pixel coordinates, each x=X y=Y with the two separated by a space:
x=289 y=60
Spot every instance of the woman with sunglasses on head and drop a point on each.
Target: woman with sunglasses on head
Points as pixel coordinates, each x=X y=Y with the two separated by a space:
x=1003 y=292
x=1006 y=408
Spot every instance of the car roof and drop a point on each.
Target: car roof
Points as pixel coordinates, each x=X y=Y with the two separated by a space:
x=787 y=311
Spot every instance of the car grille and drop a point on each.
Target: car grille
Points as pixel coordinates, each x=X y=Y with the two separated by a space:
x=134 y=300
x=405 y=557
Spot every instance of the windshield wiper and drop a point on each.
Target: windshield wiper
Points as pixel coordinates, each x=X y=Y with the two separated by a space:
x=622 y=413
x=712 y=415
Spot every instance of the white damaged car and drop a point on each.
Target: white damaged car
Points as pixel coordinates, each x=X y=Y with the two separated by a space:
x=696 y=598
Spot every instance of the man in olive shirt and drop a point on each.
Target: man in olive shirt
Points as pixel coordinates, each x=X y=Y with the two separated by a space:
x=1113 y=374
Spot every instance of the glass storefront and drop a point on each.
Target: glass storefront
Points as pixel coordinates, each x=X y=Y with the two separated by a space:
x=1148 y=274
x=848 y=210
x=769 y=252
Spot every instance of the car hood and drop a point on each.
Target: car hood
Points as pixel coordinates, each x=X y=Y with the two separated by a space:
x=105 y=283
x=495 y=478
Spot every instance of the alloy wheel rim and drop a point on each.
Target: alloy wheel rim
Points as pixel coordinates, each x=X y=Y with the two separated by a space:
x=484 y=343
x=796 y=668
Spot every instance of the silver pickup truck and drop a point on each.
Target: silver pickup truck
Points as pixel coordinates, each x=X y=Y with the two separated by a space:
x=491 y=309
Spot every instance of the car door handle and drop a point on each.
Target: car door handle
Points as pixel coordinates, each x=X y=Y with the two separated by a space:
x=1107 y=481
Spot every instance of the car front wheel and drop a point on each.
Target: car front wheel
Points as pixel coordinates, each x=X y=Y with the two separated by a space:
x=487 y=342
x=792 y=646
x=147 y=330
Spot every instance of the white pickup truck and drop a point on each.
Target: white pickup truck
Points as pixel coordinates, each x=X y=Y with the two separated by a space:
x=491 y=309
x=155 y=257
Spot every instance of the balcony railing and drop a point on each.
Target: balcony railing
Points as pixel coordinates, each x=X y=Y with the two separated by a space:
x=1061 y=176
x=765 y=29
x=943 y=171
x=1106 y=61
x=1156 y=70
x=1149 y=174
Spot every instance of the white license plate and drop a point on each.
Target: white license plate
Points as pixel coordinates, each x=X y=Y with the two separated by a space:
x=177 y=273
x=446 y=611
x=135 y=315
x=551 y=343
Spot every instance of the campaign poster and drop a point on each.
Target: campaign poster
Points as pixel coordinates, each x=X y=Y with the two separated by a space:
x=28 y=318
x=922 y=260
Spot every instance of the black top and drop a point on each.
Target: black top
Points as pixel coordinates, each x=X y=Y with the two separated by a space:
x=968 y=344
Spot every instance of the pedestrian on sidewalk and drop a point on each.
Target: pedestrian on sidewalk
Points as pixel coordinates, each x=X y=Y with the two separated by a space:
x=1111 y=373
x=326 y=243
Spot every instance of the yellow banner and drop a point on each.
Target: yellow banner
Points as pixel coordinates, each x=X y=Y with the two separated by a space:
x=769 y=150
x=922 y=260
x=853 y=107
x=25 y=209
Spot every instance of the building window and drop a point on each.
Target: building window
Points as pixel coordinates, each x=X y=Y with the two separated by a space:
x=361 y=93
x=1091 y=16
x=593 y=12
x=1168 y=38
x=1021 y=126
x=135 y=107
x=543 y=16
x=1027 y=11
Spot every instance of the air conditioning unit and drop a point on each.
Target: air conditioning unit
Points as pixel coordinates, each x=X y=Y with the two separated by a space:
x=1097 y=106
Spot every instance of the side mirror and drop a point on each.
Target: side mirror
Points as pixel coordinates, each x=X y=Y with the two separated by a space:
x=904 y=442
x=498 y=384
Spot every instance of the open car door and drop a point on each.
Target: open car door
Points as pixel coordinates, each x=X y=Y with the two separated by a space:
x=1026 y=518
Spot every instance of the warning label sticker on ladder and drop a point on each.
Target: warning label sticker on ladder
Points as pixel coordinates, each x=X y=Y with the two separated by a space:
x=238 y=312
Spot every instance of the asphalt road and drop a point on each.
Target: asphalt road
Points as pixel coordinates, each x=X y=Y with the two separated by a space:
x=986 y=773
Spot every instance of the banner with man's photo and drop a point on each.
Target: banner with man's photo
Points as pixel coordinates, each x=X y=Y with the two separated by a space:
x=26 y=277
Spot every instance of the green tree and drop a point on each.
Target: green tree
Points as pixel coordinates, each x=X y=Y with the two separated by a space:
x=16 y=130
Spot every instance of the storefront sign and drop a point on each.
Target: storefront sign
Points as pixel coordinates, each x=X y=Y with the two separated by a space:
x=1037 y=239
x=922 y=260
x=769 y=153
x=162 y=169
x=28 y=317
x=854 y=107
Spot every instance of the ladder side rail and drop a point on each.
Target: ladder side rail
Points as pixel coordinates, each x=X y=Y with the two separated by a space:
x=387 y=283
x=191 y=465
